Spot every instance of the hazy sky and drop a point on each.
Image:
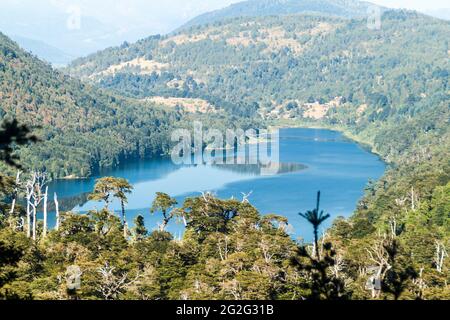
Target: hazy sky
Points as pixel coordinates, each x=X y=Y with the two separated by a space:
x=163 y=15
x=158 y=16
x=143 y=11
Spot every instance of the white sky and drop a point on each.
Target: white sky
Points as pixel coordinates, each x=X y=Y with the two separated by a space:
x=143 y=10
x=166 y=12
x=420 y=5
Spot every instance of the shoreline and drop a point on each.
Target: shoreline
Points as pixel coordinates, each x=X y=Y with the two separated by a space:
x=277 y=124
x=345 y=132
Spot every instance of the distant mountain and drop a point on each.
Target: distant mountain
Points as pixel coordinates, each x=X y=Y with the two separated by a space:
x=258 y=8
x=44 y=51
x=52 y=26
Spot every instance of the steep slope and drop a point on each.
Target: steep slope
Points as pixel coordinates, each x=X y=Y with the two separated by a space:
x=259 y=8
x=82 y=127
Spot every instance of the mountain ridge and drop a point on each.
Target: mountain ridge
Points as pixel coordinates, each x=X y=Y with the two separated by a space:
x=255 y=8
x=44 y=51
x=82 y=127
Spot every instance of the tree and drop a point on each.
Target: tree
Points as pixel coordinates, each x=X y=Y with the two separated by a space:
x=164 y=203
x=104 y=190
x=36 y=192
x=324 y=282
x=12 y=134
x=140 y=231
x=110 y=187
x=13 y=247
x=121 y=188
x=15 y=192
x=316 y=218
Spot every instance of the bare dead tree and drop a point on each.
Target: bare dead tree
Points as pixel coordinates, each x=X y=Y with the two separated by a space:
x=233 y=287
x=414 y=198
x=265 y=247
x=55 y=199
x=44 y=233
x=380 y=256
x=209 y=199
x=419 y=284
x=29 y=194
x=393 y=227
x=246 y=196
x=441 y=254
x=35 y=195
x=339 y=265
x=17 y=186
x=223 y=252
x=38 y=197
x=401 y=202
x=112 y=284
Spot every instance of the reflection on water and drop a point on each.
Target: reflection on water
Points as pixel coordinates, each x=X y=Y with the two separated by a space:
x=258 y=169
x=180 y=181
x=310 y=160
x=68 y=203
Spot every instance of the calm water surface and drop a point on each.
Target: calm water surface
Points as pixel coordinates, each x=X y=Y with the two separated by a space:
x=338 y=167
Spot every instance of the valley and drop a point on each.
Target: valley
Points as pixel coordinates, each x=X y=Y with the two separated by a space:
x=118 y=208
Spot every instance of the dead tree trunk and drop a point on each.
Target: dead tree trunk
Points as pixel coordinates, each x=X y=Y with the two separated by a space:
x=55 y=198
x=15 y=193
x=44 y=233
x=34 y=192
x=379 y=256
x=414 y=199
x=30 y=192
x=124 y=219
x=441 y=254
x=34 y=222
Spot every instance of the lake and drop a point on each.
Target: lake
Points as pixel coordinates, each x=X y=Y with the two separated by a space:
x=320 y=160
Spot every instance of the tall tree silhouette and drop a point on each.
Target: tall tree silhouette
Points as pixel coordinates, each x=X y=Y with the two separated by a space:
x=316 y=218
x=323 y=284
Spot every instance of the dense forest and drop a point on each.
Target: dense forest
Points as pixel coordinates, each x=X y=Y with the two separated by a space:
x=228 y=251
x=81 y=127
x=386 y=88
x=282 y=61
x=367 y=82
x=84 y=128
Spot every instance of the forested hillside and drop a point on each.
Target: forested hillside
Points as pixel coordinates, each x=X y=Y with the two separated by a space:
x=81 y=127
x=387 y=88
x=332 y=71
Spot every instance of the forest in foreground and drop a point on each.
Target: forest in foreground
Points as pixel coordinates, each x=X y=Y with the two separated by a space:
x=228 y=251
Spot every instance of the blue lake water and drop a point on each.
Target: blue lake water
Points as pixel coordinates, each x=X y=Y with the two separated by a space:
x=336 y=166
